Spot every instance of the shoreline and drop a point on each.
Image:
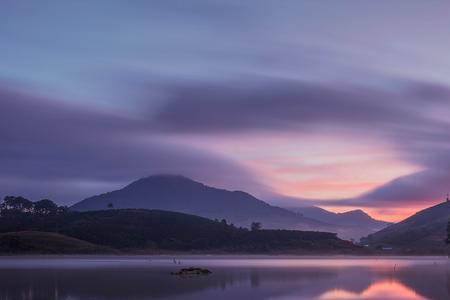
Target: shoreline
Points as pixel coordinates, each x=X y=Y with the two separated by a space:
x=224 y=256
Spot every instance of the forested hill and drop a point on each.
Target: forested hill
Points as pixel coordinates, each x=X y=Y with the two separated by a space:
x=156 y=230
x=426 y=230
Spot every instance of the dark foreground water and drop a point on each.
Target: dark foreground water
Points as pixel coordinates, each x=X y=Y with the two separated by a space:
x=237 y=277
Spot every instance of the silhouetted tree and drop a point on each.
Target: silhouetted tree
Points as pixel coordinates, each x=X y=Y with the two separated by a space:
x=448 y=232
x=110 y=205
x=255 y=226
x=45 y=207
x=62 y=209
x=17 y=204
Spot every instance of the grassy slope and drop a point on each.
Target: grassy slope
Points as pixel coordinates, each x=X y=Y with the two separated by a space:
x=34 y=242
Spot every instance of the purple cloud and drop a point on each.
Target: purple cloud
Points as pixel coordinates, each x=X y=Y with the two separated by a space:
x=402 y=116
x=66 y=152
x=276 y=105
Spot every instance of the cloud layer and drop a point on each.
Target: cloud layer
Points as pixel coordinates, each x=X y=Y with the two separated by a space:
x=58 y=150
x=74 y=147
x=404 y=116
x=96 y=94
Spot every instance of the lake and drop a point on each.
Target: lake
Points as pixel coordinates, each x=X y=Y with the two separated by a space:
x=233 y=277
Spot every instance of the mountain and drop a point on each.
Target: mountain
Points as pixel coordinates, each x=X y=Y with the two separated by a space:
x=425 y=230
x=181 y=194
x=350 y=218
x=134 y=230
x=353 y=224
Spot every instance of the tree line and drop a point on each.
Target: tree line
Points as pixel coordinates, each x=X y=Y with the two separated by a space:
x=13 y=205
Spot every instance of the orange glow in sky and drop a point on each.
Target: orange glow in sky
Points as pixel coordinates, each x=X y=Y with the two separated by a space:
x=313 y=166
x=319 y=166
x=386 y=214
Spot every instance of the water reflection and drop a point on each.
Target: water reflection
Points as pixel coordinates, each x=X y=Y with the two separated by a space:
x=233 y=278
x=388 y=290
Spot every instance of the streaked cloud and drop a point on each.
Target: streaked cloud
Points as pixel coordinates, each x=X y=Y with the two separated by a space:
x=95 y=94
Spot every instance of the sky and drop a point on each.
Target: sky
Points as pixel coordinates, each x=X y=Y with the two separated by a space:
x=340 y=104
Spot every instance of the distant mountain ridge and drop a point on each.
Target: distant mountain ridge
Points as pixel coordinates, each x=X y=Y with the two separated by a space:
x=181 y=194
x=427 y=229
x=353 y=224
x=349 y=218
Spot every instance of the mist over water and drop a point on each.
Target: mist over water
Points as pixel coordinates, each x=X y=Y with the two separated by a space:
x=138 y=277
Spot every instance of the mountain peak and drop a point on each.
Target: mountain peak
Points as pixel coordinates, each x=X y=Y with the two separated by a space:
x=181 y=194
x=357 y=222
x=356 y=212
x=159 y=179
x=164 y=176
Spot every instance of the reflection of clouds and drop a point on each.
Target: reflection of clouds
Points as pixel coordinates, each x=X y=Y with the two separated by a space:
x=243 y=278
x=384 y=289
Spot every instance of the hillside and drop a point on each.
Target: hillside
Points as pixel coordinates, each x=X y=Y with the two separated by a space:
x=155 y=230
x=33 y=242
x=351 y=224
x=427 y=229
x=181 y=194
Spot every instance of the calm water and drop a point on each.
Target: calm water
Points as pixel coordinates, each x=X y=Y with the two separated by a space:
x=233 y=278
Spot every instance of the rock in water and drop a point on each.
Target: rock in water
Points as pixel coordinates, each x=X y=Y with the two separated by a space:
x=192 y=271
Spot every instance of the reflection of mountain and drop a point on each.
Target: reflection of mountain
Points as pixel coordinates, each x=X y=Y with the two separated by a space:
x=139 y=279
x=140 y=283
x=430 y=280
x=102 y=283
